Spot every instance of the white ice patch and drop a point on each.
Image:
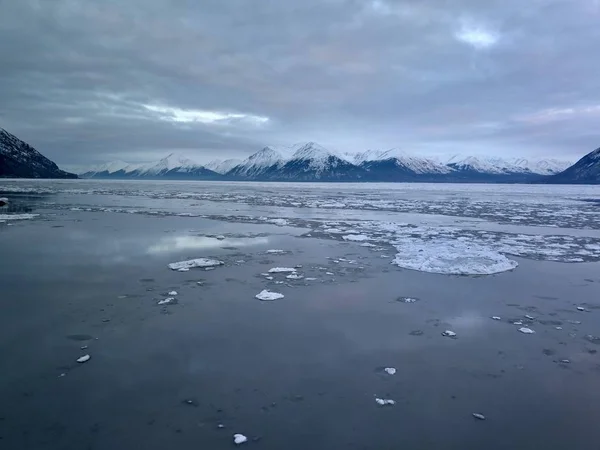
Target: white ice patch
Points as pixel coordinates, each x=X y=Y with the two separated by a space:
x=310 y=279
x=449 y=333
x=275 y=251
x=166 y=301
x=267 y=296
x=450 y=257
x=479 y=416
x=84 y=358
x=172 y=293
x=200 y=262
x=496 y=318
x=281 y=269
x=239 y=439
x=17 y=216
x=385 y=401
x=294 y=276
x=355 y=237
x=526 y=330
x=390 y=370
x=280 y=222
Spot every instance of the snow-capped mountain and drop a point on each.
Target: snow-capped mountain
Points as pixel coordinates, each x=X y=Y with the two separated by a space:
x=584 y=171
x=20 y=160
x=265 y=160
x=171 y=167
x=222 y=166
x=312 y=161
x=397 y=165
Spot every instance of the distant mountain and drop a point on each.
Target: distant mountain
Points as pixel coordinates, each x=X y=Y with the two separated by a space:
x=222 y=166
x=313 y=162
x=20 y=160
x=172 y=167
x=584 y=171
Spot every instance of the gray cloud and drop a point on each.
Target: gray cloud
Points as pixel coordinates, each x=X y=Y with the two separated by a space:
x=134 y=79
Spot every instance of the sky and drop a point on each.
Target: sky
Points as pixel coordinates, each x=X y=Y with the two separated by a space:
x=100 y=80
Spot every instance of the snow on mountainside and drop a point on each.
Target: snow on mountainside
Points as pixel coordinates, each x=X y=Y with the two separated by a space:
x=171 y=162
x=257 y=163
x=222 y=166
x=20 y=160
x=501 y=166
x=584 y=171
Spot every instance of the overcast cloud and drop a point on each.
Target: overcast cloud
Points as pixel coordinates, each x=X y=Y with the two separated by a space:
x=95 y=80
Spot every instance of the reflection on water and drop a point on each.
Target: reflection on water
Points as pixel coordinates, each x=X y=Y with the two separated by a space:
x=177 y=243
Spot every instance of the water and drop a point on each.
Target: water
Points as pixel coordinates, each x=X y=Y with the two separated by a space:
x=302 y=371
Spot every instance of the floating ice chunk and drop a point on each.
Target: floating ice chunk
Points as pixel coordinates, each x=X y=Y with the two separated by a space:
x=356 y=237
x=220 y=426
x=239 y=439
x=580 y=308
x=17 y=216
x=565 y=361
x=183 y=269
x=526 y=330
x=84 y=358
x=329 y=273
x=367 y=244
x=282 y=269
x=558 y=328
x=496 y=318
x=267 y=296
x=449 y=333
x=269 y=278
x=390 y=370
x=220 y=237
x=275 y=251
x=407 y=299
x=172 y=293
x=310 y=279
x=479 y=416
x=295 y=276
x=166 y=301
x=518 y=322
x=280 y=222
x=200 y=262
x=446 y=256
x=385 y=401
x=527 y=316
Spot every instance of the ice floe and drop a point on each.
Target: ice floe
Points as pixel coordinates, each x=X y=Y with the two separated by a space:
x=496 y=318
x=275 y=251
x=385 y=401
x=199 y=262
x=450 y=257
x=282 y=270
x=172 y=293
x=355 y=237
x=580 y=308
x=294 y=276
x=18 y=216
x=239 y=439
x=479 y=416
x=390 y=370
x=526 y=330
x=84 y=358
x=267 y=296
x=449 y=333
x=166 y=301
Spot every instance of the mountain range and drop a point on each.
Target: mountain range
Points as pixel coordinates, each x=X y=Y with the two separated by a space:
x=313 y=162
x=20 y=160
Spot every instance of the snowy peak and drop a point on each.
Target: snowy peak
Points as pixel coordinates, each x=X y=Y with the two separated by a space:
x=584 y=171
x=171 y=162
x=222 y=166
x=499 y=166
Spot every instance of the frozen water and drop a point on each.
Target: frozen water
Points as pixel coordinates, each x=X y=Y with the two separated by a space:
x=496 y=318
x=450 y=257
x=449 y=333
x=84 y=358
x=390 y=370
x=385 y=401
x=267 y=296
x=200 y=262
x=282 y=269
x=526 y=330
x=355 y=237
x=17 y=216
x=479 y=416
x=275 y=251
x=172 y=293
x=294 y=276
x=166 y=301
x=239 y=439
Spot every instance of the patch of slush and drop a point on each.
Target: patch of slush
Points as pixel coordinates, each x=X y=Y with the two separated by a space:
x=200 y=262
x=268 y=296
x=282 y=269
x=450 y=257
x=18 y=216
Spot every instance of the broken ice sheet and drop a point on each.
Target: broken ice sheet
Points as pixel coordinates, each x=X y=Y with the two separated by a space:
x=267 y=296
x=239 y=439
x=385 y=401
x=526 y=330
x=282 y=269
x=199 y=262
